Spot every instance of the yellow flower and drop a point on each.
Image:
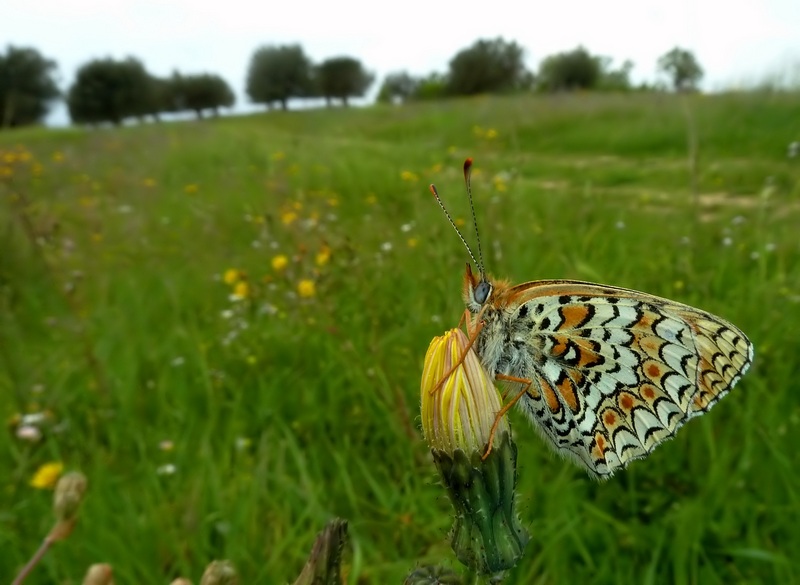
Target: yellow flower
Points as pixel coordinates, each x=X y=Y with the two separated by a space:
x=460 y=222
x=412 y=242
x=323 y=256
x=437 y=168
x=500 y=185
x=149 y=183
x=6 y=172
x=279 y=263
x=370 y=199
x=288 y=217
x=491 y=134
x=409 y=176
x=9 y=158
x=459 y=412
x=191 y=188
x=333 y=201
x=58 y=156
x=241 y=290
x=252 y=360
x=278 y=155
x=232 y=276
x=306 y=288
x=47 y=475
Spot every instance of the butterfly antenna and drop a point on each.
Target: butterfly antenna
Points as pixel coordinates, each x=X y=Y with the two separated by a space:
x=467 y=175
x=452 y=223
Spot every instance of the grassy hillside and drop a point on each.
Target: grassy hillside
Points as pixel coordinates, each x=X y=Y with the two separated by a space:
x=224 y=324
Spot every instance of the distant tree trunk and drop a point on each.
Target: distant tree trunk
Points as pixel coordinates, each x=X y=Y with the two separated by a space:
x=215 y=111
x=344 y=101
x=284 y=104
x=328 y=102
x=199 y=113
x=156 y=117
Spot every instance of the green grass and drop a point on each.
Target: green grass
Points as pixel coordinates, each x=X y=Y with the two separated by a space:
x=285 y=412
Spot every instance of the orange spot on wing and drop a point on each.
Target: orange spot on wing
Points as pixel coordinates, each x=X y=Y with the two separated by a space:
x=549 y=396
x=626 y=402
x=648 y=392
x=560 y=348
x=610 y=418
x=600 y=446
x=573 y=315
x=587 y=355
x=567 y=390
x=653 y=371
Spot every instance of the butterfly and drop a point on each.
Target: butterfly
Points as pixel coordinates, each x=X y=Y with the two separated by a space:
x=607 y=373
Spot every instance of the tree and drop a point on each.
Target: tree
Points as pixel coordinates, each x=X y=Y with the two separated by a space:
x=398 y=86
x=682 y=68
x=27 y=86
x=576 y=69
x=488 y=66
x=279 y=73
x=106 y=90
x=615 y=79
x=342 y=78
x=200 y=92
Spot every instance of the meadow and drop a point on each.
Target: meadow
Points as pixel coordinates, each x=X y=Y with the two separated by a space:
x=222 y=324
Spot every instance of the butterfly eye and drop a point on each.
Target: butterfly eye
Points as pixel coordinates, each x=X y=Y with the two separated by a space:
x=482 y=292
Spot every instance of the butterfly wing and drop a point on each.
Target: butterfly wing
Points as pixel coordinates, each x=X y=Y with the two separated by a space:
x=614 y=371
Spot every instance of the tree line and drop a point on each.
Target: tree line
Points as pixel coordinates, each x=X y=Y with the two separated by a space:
x=111 y=91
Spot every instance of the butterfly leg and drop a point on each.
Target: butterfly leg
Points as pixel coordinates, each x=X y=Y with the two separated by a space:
x=502 y=412
x=473 y=337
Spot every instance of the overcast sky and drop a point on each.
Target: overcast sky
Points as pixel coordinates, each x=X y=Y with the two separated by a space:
x=735 y=42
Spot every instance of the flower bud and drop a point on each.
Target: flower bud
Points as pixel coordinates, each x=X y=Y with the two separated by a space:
x=459 y=408
x=99 y=574
x=220 y=573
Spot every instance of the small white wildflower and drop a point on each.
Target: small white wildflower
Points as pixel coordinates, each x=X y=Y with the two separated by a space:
x=166 y=445
x=407 y=227
x=794 y=149
x=685 y=241
x=436 y=318
x=227 y=314
x=166 y=469
x=620 y=225
x=124 y=209
x=34 y=418
x=268 y=309
x=770 y=247
x=255 y=244
x=243 y=443
x=274 y=245
x=727 y=241
x=29 y=433
x=37 y=388
x=754 y=255
x=386 y=247
x=234 y=298
x=178 y=361
x=332 y=217
x=738 y=220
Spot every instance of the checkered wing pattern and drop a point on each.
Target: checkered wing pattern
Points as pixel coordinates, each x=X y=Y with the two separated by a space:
x=614 y=372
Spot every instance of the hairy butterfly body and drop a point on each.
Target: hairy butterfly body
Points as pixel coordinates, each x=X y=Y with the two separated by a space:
x=606 y=373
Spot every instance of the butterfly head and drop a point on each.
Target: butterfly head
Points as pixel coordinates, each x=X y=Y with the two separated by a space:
x=477 y=290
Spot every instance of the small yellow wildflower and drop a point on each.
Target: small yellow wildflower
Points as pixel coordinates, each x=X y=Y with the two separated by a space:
x=293 y=170
x=437 y=168
x=37 y=168
x=191 y=188
x=241 y=290
x=306 y=288
x=333 y=201
x=278 y=155
x=412 y=242
x=97 y=237
x=25 y=156
x=500 y=185
x=251 y=360
x=58 y=156
x=149 y=183
x=370 y=199
x=9 y=158
x=6 y=172
x=232 y=276
x=279 y=263
x=409 y=176
x=451 y=150
x=491 y=134
x=460 y=222
x=323 y=256
x=678 y=285
x=288 y=217
x=47 y=475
